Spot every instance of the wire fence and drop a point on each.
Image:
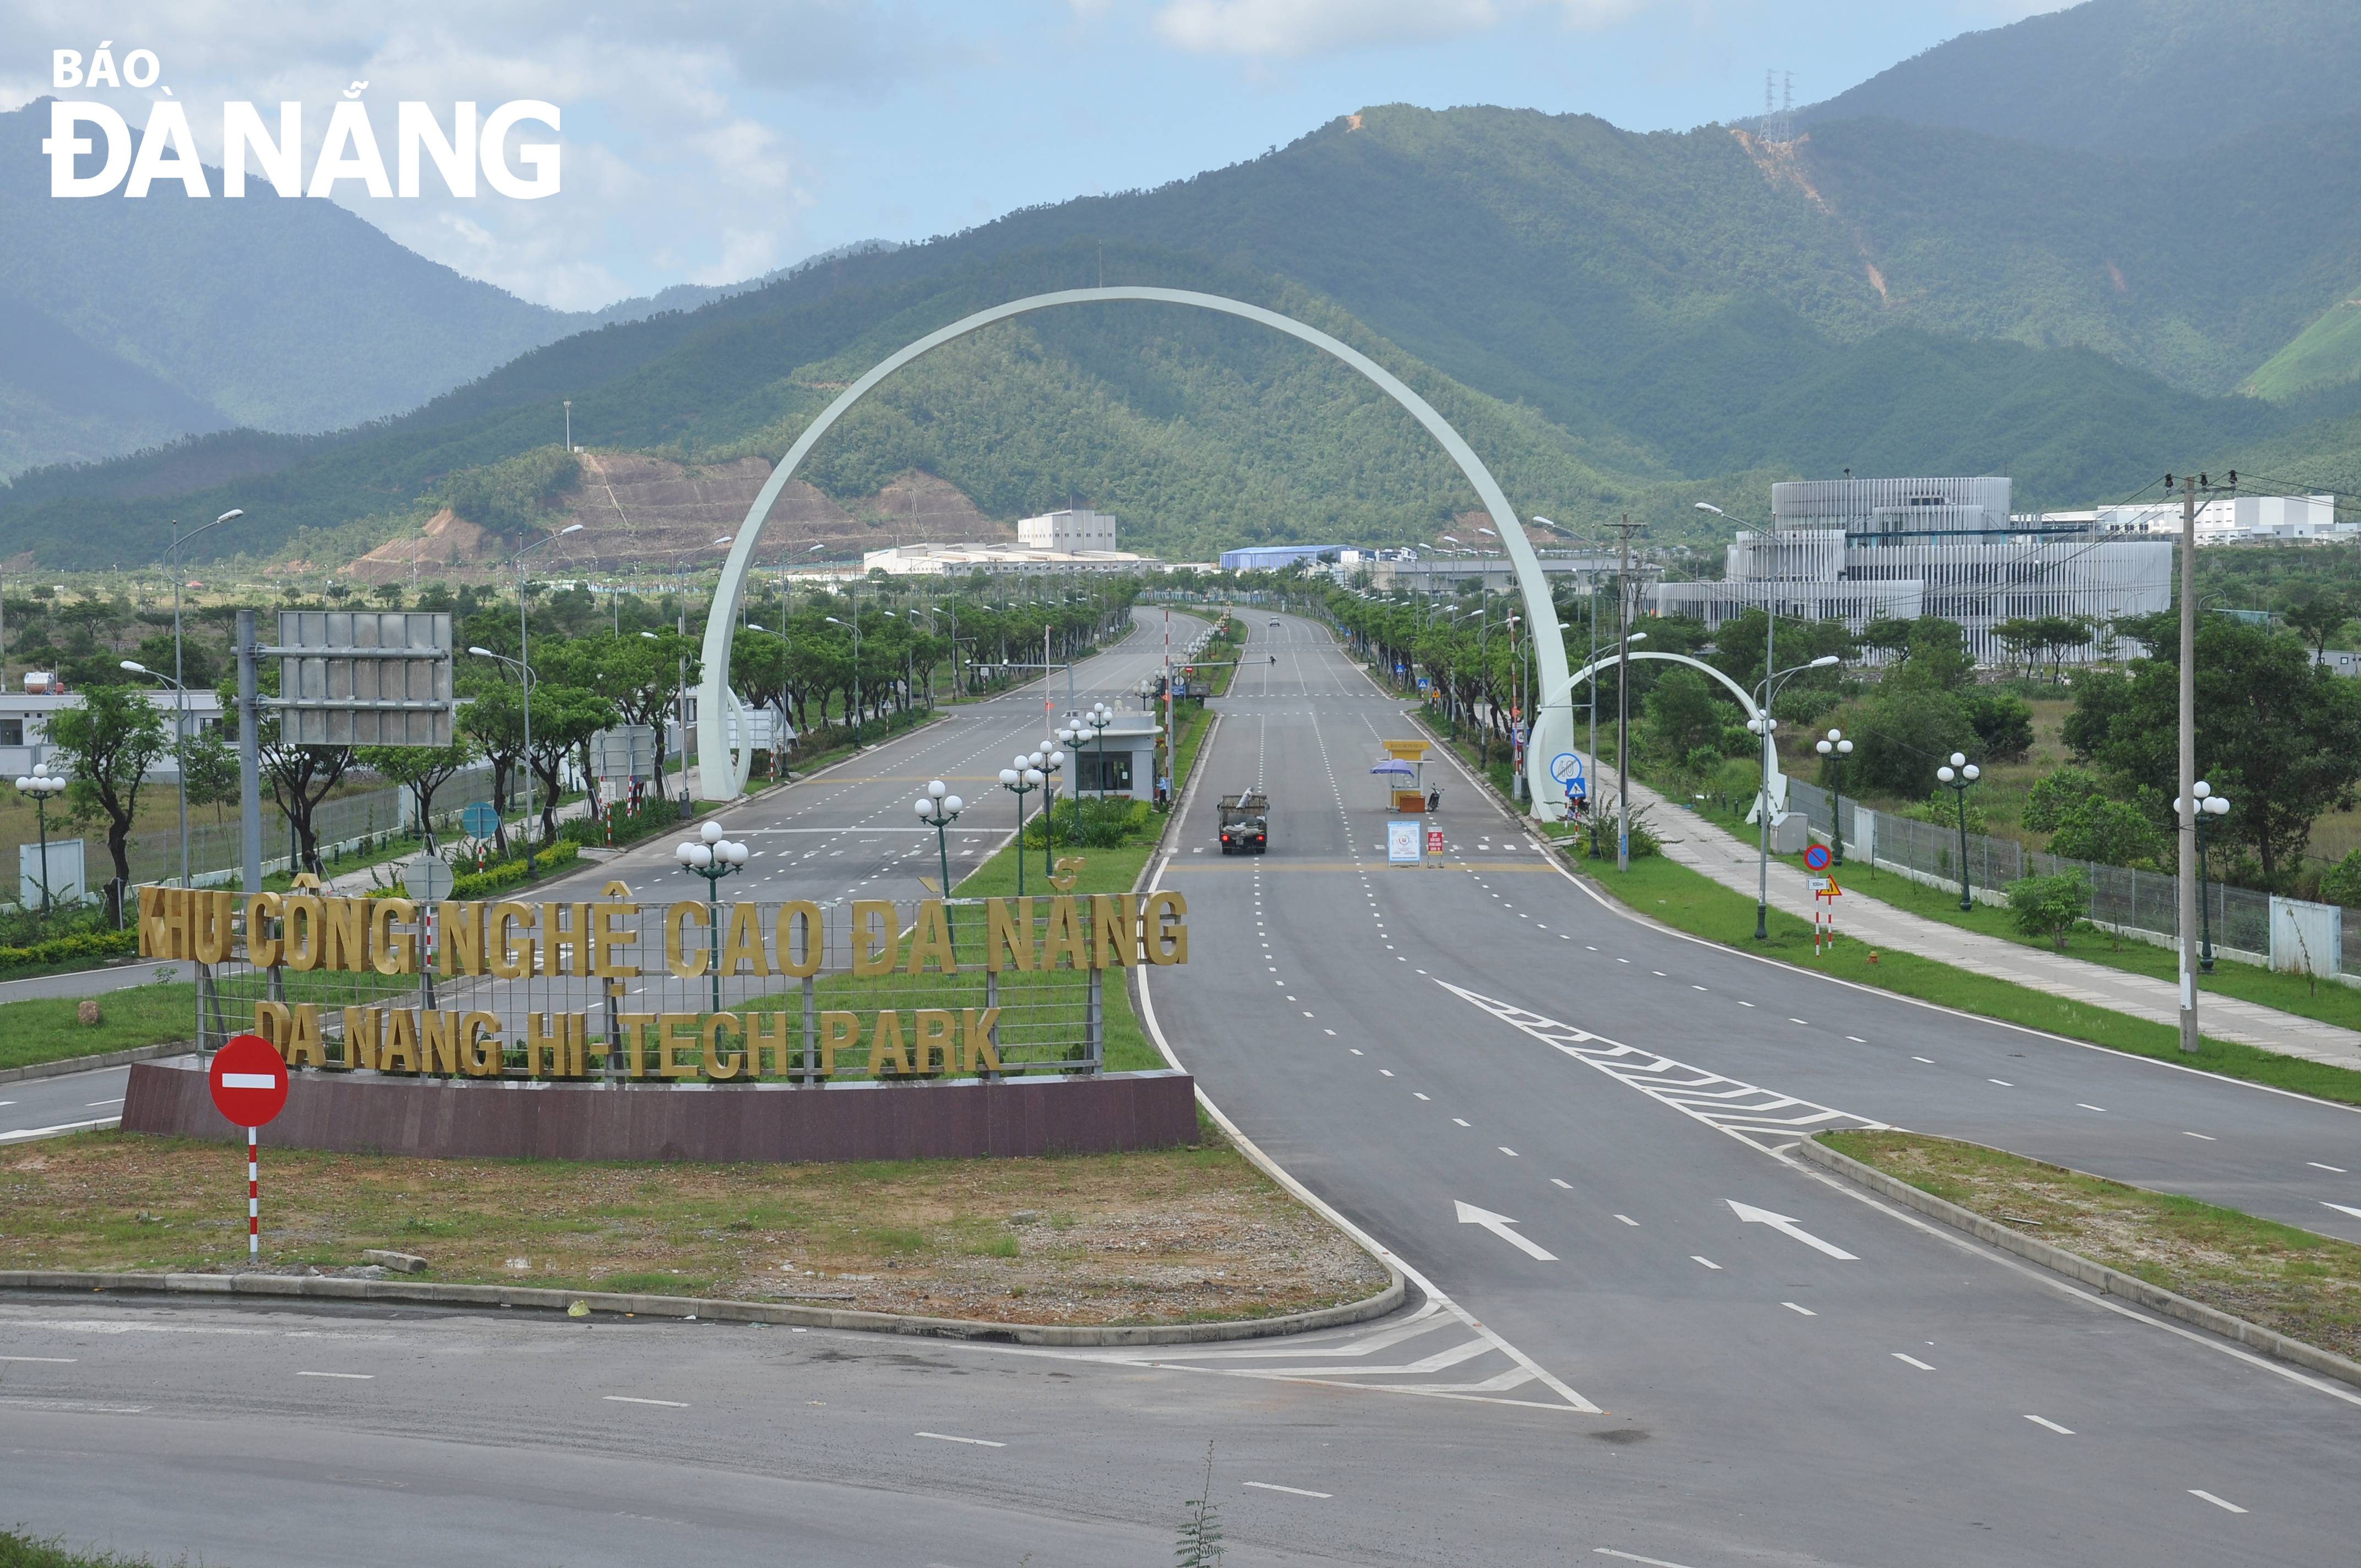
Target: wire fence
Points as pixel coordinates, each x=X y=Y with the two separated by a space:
x=2138 y=904
x=801 y=991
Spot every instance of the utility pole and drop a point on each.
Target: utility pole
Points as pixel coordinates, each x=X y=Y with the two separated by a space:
x=1623 y=694
x=2188 y=802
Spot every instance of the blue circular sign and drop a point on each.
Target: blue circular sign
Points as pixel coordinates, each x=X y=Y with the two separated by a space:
x=1566 y=767
x=479 y=820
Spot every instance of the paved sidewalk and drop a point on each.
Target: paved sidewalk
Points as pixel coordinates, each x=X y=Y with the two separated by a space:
x=1700 y=845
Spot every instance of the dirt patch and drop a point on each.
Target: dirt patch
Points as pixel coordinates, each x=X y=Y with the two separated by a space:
x=2296 y=1282
x=1171 y=1236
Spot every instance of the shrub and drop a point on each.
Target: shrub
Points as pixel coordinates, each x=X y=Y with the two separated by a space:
x=508 y=874
x=1904 y=738
x=2050 y=906
x=2108 y=831
x=2341 y=883
x=2003 y=721
x=2052 y=794
x=67 y=950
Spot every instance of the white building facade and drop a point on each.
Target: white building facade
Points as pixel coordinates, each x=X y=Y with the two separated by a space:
x=1858 y=550
x=2235 y=520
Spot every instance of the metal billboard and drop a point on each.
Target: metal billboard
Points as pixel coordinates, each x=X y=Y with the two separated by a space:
x=625 y=751
x=364 y=678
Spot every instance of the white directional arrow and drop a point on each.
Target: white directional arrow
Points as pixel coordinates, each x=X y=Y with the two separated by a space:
x=1498 y=1225
x=1788 y=1227
x=2342 y=1209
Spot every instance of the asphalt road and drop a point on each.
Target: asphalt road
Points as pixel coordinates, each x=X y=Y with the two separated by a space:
x=1476 y=1066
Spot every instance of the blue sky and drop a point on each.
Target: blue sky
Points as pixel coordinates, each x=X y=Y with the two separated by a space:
x=711 y=141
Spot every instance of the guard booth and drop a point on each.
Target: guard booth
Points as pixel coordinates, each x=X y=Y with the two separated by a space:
x=1411 y=795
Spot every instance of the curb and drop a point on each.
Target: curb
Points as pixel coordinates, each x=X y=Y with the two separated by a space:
x=2110 y=1281
x=688 y=1307
x=65 y=1064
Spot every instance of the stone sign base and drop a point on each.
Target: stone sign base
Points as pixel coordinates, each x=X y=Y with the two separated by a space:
x=514 y=1119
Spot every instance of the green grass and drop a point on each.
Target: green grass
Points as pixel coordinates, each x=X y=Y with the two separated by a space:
x=2295 y=1281
x=1692 y=901
x=43 y=1028
x=19 y=1549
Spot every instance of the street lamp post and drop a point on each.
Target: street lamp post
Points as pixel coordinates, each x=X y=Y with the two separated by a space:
x=524 y=657
x=2208 y=804
x=1021 y=781
x=180 y=754
x=938 y=809
x=524 y=678
x=1766 y=727
x=179 y=693
x=1051 y=762
x=1836 y=748
x=41 y=785
x=712 y=857
x=1098 y=719
x=1957 y=775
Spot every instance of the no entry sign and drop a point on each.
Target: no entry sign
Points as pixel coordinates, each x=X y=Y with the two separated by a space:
x=249 y=1081
x=249 y=1085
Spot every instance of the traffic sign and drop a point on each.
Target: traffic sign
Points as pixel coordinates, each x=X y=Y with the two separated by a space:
x=249 y=1081
x=1434 y=840
x=1816 y=857
x=427 y=880
x=479 y=820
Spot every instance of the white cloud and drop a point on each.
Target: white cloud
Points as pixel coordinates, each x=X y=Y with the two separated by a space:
x=1297 y=29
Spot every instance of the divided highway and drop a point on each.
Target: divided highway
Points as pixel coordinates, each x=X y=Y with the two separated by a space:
x=1642 y=1336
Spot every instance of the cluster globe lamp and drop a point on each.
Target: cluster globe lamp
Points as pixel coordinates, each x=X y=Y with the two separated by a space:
x=2208 y=805
x=1021 y=780
x=1957 y=775
x=712 y=857
x=938 y=808
x=42 y=785
x=1836 y=748
x=1050 y=761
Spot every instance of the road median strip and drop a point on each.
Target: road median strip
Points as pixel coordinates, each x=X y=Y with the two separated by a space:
x=2276 y=1272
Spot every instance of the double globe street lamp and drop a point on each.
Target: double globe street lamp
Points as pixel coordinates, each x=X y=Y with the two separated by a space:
x=1052 y=762
x=1957 y=775
x=1098 y=719
x=1836 y=748
x=938 y=809
x=2208 y=804
x=41 y=785
x=1021 y=781
x=1766 y=727
x=712 y=857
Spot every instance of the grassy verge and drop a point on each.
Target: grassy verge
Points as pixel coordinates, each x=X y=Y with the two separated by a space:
x=20 y=1550
x=1171 y=1235
x=44 y=1028
x=2300 y=1284
x=1692 y=901
x=1098 y=870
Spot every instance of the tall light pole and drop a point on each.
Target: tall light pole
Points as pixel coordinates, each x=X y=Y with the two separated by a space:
x=41 y=785
x=2186 y=816
x=938 y=809
x=1051 y=762
x=1763 y=724
x=179 y=693
x=1836 y=748
x=569 y=426
x=1957 y=776
x=1021 y=781
x=2208 y=804
x=712 y=857
x=524 y=660
x=1098 y=719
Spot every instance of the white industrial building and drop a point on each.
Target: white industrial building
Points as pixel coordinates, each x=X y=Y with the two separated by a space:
x=2233 y=519
x=1856 y=550
x=24 y=723
x=1078 y=540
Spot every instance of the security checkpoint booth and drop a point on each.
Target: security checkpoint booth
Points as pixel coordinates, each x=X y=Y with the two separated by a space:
x=1117 y=761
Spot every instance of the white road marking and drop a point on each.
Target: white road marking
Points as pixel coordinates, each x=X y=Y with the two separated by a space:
x=978 y=1442
x=1804 y=1021
x=1291 y=1491
x=627 y=1400
x=1421 y=1096
x=2343 y=1209
x=1555 y=1182
x=2208 y=1139
x=2317 y=1166
x=1707 y=1261
x=93 y=1105
x=1750 y=1215
x=1498 y=1225
x=1746 y=1005
x=58 y=1360
x=1635 y=1557
x=1629 y=1220
x=1928 y=1060
x=1385 y=1072
x=2100 y=1109
x=1461 y=1119
x=2002 y=1081
x=1913 y=1361
x=2215 y=1501
x=1856 y=1039
x=1355 y=1049
x=1506 y=1150
x=1793 y=1308
x=355 y=1376
x=2053 y=1425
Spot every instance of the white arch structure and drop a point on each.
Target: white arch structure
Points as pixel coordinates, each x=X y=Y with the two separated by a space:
x=1745 y=699
x=721 y=774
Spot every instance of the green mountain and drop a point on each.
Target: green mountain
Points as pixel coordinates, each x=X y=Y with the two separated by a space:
x=2140 y=78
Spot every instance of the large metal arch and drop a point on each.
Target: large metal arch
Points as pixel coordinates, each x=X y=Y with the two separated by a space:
x=721 y=774
x=1745 y=699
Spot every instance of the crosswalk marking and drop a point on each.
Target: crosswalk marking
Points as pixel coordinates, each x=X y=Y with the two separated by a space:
x=1745 y=1112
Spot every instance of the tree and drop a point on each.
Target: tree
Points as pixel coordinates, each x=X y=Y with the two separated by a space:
x=564 y=717
x=421 y=770
x=108 y=744
x=1906 y=734
x=1938 y=658
x=2050 y=907
x=2276 y=733
x=2018 y=637
x=2112 y=832
x=1682 y=715
x=299 y=777
x=493 y=724
x=209 y=770
x=2003 y=720
x=2317 y=617
x=2053 y=795
x=2341 y=883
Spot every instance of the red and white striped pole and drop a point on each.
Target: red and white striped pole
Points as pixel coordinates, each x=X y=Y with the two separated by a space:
x=253 y=1201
